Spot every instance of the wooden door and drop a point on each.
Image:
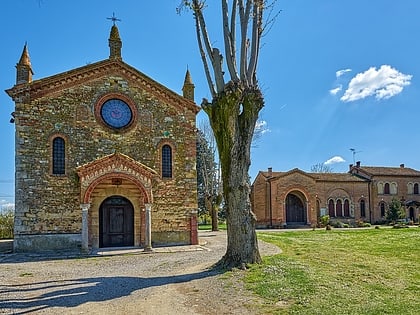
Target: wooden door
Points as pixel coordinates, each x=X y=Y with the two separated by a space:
x=295 y=210
x=116 y=222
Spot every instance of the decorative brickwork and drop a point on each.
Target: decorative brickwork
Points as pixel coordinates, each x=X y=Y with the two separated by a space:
x=102 y=161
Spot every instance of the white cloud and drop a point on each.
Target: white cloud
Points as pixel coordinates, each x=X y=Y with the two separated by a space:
x=339 y=73
x=261 y=127
x=334 y=160
x=382 y=83
x=336 y=90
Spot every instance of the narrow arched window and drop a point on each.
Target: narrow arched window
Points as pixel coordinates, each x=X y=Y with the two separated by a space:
x=331 y=208
x=386 y=189
x=166 y=161
x=382 y=209
x=416 y=189
x=58 y=156
x=339 y=208
x=346 y=208
x=362 y=208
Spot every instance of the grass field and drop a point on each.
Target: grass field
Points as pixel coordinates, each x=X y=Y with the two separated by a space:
x=372 y=271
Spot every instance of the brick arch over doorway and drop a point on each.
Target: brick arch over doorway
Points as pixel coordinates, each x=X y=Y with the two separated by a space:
x=296 y=208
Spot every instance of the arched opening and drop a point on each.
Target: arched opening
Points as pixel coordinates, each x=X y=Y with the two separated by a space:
x=411 y=211
x=295 y=209
x=331 y=208
x=116 y=222
x=339 y=208
x=346 y=208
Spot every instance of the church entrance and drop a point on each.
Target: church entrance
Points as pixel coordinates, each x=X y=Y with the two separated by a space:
x=116 y=222
x=295 y=209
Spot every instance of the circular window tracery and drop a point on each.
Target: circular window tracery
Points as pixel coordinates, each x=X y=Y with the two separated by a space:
x=116 y=111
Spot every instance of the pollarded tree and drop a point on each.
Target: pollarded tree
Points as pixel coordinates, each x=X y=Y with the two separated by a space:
x=233 y=113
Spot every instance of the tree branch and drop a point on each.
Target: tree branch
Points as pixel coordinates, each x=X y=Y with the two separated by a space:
x=229 y=39
x=255 y=41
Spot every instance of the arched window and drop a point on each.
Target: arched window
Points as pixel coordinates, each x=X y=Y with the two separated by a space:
x=346 y=208
x=58 y=156
x=386 y=189
x=339 y=208
x=166 y=161
x=380 y=188
x=362 y=208
x=382 y=209
x=393 y=188
x=416 y=189
x=331 y=210
x=410 y=188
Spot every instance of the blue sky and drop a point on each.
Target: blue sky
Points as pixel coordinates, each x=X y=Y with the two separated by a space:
x=336 y=75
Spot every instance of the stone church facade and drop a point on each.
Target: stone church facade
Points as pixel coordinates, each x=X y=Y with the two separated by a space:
x=105 y=157
x=297 y=198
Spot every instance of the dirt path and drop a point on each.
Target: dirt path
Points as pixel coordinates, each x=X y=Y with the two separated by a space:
x=166 y=282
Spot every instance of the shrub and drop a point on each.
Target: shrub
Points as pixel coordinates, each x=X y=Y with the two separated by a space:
x=324 y=220
x=338 y=224
x=367 y=224
x=6 y=224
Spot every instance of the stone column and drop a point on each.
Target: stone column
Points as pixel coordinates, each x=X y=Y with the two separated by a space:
x=148 y=219
x=85 y=227
x=194 y=227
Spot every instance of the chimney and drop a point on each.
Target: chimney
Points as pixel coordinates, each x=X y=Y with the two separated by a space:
x=270 y=171
x=402 y=165
x=358 y=164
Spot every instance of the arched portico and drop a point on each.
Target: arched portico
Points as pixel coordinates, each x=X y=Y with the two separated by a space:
x=106 y=182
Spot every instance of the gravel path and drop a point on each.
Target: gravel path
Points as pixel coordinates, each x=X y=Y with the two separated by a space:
x=170 y=281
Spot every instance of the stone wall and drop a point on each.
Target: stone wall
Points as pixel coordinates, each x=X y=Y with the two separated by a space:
x=48 y=204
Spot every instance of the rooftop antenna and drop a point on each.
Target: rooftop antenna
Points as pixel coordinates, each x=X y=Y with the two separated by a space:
x=354 y=154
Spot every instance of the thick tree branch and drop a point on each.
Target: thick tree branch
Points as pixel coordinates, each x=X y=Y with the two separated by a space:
x=255 y=41
x=229 y=40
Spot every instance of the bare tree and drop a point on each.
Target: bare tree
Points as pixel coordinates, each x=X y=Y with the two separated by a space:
x=321 y=168
x=233 y=113
x=208 y=174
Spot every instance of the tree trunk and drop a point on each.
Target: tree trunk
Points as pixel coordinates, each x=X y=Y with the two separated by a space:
x=233 y=115
x=214 y=218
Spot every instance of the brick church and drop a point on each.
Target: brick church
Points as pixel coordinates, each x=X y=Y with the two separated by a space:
x=105 y=157
x=297 y=198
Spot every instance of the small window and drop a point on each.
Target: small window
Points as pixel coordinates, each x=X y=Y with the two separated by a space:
x=416 y=189
x=59 y=156
x=166 y=161
x=362 y=208
x=386 y=189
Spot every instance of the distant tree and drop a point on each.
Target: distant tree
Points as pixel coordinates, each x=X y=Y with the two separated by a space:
x=395 y=210
x=7 y=221
x=209 y=185
x=321 y=168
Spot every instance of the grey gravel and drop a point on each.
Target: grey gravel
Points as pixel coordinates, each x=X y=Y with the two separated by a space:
x=172 y=280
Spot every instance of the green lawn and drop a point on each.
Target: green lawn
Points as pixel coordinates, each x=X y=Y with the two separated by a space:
x=372 y=271
x=203 y=227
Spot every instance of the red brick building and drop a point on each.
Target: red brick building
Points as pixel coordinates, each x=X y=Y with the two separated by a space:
x=298 y=198
x=105 y=156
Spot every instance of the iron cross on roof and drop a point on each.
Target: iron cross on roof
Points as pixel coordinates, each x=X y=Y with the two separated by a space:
x=113 y=18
